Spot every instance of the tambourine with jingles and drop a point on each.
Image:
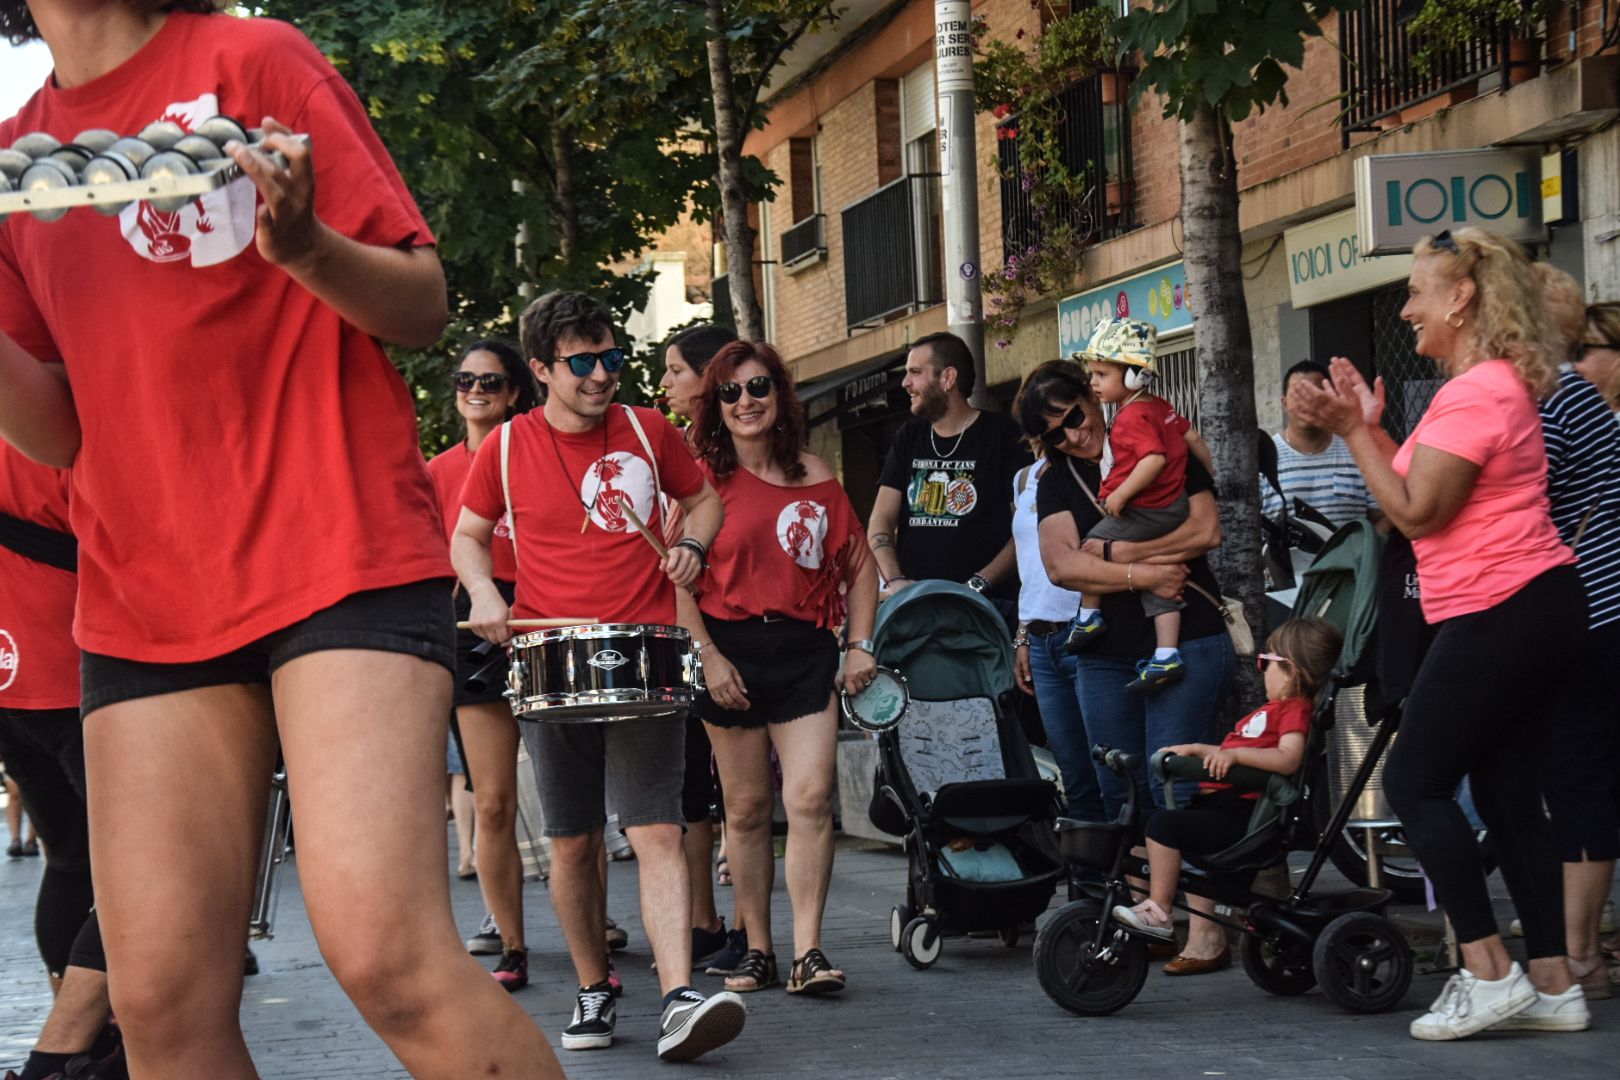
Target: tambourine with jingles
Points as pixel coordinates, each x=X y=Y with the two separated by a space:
x=881 y=705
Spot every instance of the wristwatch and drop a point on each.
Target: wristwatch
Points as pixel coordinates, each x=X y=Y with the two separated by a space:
x=864 y=645
x=978 y=583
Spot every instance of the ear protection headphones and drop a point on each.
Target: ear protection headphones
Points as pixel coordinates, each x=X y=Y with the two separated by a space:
x=1138 y=377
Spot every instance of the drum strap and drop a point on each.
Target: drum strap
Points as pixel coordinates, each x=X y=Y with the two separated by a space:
x=652 y=459
x=41 y=544
x=506 y=485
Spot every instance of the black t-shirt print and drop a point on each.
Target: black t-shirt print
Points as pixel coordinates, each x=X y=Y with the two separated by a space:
x=955 y=494
x=1130 y=631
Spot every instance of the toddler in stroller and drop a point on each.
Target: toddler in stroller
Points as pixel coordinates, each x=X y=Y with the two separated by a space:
x=1297 y=666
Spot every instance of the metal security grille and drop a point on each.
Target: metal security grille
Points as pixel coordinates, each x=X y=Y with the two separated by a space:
x=1178 y=381
x=1410 y=381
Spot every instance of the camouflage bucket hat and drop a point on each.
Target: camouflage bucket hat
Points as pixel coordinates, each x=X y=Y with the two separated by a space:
x=1122 y=341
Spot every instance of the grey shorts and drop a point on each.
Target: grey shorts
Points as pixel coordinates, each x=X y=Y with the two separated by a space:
x=637 y=766
x=1145 y=524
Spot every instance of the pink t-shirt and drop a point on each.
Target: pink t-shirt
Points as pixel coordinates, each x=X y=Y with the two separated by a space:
x=1503 y=537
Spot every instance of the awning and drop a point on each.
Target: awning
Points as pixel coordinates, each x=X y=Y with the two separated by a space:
x=854 y=386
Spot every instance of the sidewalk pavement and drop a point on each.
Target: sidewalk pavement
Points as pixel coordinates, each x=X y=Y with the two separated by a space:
x=976 y=1013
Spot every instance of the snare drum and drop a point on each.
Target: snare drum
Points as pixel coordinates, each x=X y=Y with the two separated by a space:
x=601 y=672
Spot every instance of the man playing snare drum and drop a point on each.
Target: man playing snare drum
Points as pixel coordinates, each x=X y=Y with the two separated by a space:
x=576 y=466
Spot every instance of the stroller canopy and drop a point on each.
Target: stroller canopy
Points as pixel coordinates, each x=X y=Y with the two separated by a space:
x=947 y=640
x=1341 y=586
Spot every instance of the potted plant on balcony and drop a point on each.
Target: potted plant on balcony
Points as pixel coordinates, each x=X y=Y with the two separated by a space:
x=1444 y=26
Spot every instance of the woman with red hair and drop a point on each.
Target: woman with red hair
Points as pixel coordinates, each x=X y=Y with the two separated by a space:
x=788 y=568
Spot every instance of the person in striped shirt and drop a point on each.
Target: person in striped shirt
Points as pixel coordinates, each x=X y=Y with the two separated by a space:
x=1582 y=767
x=1314 y=466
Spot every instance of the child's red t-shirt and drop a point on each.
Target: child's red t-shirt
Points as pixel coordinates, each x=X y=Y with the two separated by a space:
x=1263 y=729
x=1148 y=425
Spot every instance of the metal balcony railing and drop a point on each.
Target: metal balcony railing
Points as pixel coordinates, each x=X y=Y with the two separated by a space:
x=1378 y=68
x=1094 y=137
x=805 y=242
x=892 y=245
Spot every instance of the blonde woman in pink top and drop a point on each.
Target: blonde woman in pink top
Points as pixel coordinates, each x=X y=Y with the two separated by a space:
x=1469 y=488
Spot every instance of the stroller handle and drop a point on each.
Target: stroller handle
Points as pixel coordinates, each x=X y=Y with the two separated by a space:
x=1117 y=761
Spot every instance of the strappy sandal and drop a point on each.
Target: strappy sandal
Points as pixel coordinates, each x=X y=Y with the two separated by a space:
x=722 y=873
x=756 y=972
x=813 y=974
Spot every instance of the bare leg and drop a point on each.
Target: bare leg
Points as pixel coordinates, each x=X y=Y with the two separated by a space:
x=14 y=811
x=364 y=735
x=745 y=776
x=1164 y=863
x=808 y=750
x=79 y=1015
x=178 y=785
x=461 y=805
x=489 y=737
x=663 y=915
x=1167 y=630
x=1586 y=887
x=576 y=893
x=1488 y=959
x=698 y=846
x=1205 y=939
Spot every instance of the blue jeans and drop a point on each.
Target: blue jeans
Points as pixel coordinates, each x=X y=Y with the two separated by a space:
x=1183 y=713
x=1056 y=691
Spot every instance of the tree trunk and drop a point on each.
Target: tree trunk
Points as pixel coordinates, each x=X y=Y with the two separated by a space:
x=739 y=236
x=1213 y=251
x=562 y=165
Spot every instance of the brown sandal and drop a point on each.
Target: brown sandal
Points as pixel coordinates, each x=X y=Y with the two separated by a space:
x=756 y=972
x=813 y=974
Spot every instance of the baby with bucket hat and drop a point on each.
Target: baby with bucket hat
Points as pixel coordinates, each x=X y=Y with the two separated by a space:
x=1143 y=496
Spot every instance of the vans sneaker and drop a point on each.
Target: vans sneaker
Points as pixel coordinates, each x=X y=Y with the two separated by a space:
x=487 y=942
x=726 y=960
x=1552 y=1012
x=1469 y=1005
x=594 y=1017
x=693 y=1025
x=513 y=970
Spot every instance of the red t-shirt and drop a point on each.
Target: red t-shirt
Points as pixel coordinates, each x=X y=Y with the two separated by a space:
x=249 y=458
x=39 y=664
x=1263 y=729
x=782 y=551
x=1148 y=425
x=449 y=472
x=604 y=572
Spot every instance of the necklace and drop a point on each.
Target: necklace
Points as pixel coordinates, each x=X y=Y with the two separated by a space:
x=583 y=525
x=937 y=452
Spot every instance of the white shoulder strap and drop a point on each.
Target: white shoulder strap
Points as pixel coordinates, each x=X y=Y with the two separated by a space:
x=506 y=485
x=1022 y=479
x=652 y=459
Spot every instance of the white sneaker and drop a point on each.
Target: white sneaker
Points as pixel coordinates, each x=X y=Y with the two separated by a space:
x=1469 y=1005
x=1552 y=1012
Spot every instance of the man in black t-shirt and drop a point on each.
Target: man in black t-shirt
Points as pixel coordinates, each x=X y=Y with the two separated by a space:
x=944 y=501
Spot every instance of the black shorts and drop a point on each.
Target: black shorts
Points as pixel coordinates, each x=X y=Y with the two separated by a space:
x=490 y=664
x=415 y=619
x=787 y=665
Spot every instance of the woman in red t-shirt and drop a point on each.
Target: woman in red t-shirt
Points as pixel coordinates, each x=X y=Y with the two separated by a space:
x=789 y=565
x=1296 y=666
x=492 y=384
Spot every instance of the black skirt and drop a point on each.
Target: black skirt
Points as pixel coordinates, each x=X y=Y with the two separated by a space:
x=788 y=667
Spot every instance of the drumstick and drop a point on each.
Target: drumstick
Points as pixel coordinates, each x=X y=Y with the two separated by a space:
x=646 y=533
x=535 y=624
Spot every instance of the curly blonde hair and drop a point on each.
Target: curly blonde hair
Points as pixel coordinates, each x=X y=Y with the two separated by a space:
x=1510 y=321
x=1565 y=307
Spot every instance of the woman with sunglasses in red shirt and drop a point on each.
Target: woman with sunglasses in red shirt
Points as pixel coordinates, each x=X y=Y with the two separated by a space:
x=788 y=568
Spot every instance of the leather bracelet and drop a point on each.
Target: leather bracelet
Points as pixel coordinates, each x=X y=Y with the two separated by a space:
x=695 y=546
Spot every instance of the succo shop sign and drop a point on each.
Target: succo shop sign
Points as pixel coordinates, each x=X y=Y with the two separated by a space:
x=1401 y=198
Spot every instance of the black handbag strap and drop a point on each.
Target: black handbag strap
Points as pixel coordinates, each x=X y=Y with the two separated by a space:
x=36 y=542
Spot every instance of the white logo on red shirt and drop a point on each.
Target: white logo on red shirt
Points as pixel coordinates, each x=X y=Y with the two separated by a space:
x=503 y=527
x=618 y=476
x=1254 y=726
x=211 y=228
x=801 y=529
x=8 y=659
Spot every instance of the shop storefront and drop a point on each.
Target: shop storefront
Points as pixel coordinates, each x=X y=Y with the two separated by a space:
x=1158 y=296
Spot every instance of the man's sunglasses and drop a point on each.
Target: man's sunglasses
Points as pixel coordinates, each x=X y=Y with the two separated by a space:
x=582 y=364
x=1265 y=658
x=1071 y=421
x=759 y=387
x=464 y=381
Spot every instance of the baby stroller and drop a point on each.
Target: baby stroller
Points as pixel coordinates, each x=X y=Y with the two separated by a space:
x=956 y=778
x=1091 y=964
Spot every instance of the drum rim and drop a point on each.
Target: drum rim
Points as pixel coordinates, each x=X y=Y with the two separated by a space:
x=595 y=631
x=623 y=696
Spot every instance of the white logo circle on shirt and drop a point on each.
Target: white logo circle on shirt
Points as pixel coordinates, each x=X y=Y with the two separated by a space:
x=8 y=659
x=208 y=230
x=1254 y=726
x=612 y=479
x=801 y=529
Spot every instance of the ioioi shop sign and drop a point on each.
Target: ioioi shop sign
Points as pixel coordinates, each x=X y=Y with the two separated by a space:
x=1401 y=198
x=1325 y=262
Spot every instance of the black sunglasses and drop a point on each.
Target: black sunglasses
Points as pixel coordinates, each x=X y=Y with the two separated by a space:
x=1071 y=421
x=464 y=381
x=759 y=387
x=582 y=364
x=1598 y=346
x=1443 y=242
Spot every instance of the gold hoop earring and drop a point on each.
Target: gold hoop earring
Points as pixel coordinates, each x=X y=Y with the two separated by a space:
x=1458 y=325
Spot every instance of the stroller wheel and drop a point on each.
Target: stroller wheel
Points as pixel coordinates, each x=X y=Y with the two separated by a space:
x=1363 y=963
x=1081 y=975
x=1277 y=964
x=899 y=916
x=920 y=943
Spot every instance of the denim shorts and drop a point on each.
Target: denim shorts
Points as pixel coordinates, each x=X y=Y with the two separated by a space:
x=415 y=619
x=636 y=766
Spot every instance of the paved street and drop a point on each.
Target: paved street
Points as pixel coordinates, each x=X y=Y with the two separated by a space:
x=977 y=1012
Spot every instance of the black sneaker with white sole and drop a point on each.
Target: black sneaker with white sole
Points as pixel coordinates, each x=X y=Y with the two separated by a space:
x=487 y=942
x=594 y=1016
x=693 y=1024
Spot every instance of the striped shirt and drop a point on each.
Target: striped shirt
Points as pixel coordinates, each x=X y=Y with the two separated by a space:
x=1583 y=484
x=1328 y=481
